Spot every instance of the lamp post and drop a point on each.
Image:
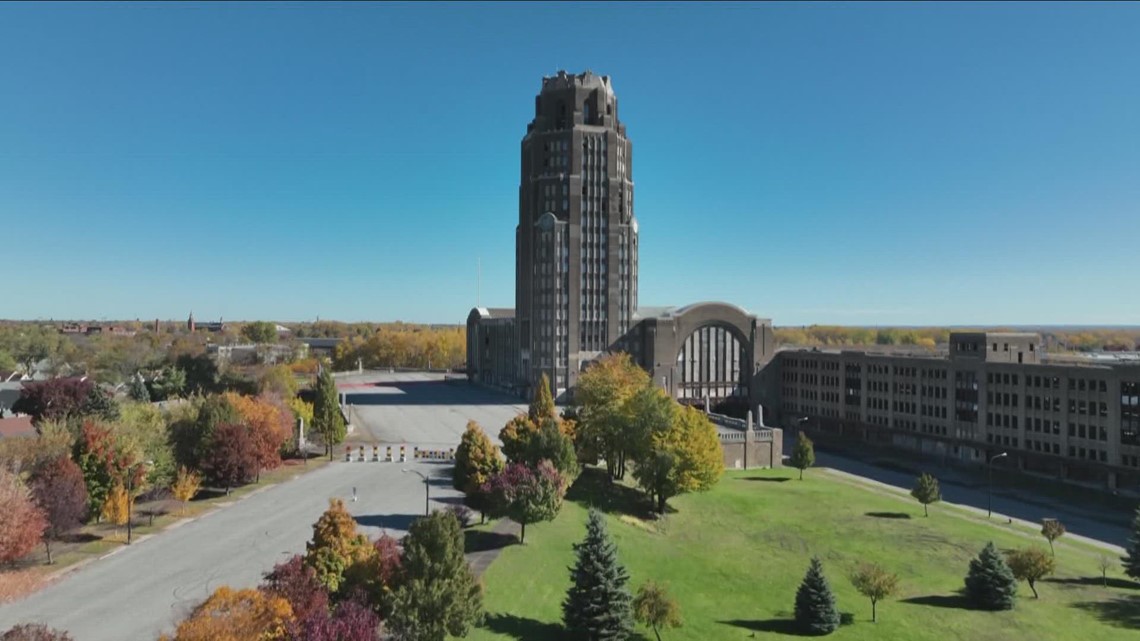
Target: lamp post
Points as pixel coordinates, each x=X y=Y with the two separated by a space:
x=990 y=482
x=427 y=488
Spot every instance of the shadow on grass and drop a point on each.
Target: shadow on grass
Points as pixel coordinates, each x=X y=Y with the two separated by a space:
x=1097 y=582
x=766 y=479
x=594 y=489
x=480 y=541
x=80 y=537
x=518 y=627
x=887 y=515
x=1122 y=612
x=953 y=601
x=771 y=626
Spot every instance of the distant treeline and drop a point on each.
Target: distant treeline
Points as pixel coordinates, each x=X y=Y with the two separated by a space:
x=1075 y=340
x=405 y=345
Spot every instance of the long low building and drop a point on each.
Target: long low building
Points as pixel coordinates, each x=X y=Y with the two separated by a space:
x=993 y=393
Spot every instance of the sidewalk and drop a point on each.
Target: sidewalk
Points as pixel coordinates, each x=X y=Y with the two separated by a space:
x=482 y=559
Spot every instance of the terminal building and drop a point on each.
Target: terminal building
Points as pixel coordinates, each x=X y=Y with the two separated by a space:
x=576 y=270
x=576 y=298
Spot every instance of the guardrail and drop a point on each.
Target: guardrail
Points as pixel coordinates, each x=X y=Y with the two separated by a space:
x=740 y=427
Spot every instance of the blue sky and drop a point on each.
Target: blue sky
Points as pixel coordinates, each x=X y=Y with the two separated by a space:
x=852 y=164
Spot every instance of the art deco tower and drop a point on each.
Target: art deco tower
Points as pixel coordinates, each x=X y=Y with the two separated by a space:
x=576 y=241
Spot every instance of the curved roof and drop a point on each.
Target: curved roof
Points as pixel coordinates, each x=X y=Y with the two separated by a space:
x=710 y=303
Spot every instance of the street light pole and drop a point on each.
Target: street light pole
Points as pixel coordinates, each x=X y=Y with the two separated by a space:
x=130 y=500
x=427 y=489
x=990 y=483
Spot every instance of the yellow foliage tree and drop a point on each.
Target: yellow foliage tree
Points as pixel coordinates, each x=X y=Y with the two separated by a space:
x=600 y=399
x=115 y=508
x=237 y=615
x=186 y=485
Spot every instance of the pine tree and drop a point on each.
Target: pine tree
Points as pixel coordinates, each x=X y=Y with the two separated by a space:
x=803 y=454
x=1131 y=561
x=138 y=391
x=815 y=604
x=990 y=584
x=598 y=604
x=926 y=491
x=327 y=419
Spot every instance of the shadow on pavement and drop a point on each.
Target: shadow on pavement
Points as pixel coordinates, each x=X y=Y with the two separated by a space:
x=387 y=521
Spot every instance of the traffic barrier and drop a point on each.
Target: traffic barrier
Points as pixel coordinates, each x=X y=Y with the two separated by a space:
x=347 y=453
x=361 y=453
x=403 y=454
x=375 y=453
x=388 y=454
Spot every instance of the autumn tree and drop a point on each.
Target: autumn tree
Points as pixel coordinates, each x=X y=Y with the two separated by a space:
x=653 y=607
x=193 y=437
x=35 y=632
x=438 y=595
x=297 y=583
x=683 y=455
x=1104 y=563
x=373 y=574
x=117 y=506
x=803 y=454
x=335 y=545
x=23 y=525
x=327 y=419
x=525 y=495
x=270 y=427
x=926 y=491
x=1030 y=564
x=54 y=399
x=477 y=459
x=237 y=615
x=349 y=621
x=142 y=434
x=278 y=380
x=59 y=490
x=524 y=442
x=233 y=458
x=94 y=452
x=600 y=405
x=186 y=486
x=1052 y=529
x=875 y=583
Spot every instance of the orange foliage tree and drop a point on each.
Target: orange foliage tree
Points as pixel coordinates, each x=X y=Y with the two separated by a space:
x=237 y=615
x=270 y=424
x=23 y=524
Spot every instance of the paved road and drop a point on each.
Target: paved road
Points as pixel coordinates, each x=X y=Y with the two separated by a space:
x=961 y=488
x=147 y=588
x=421 y=409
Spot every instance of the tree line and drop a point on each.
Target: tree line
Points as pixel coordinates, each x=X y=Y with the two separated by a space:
x=402 y=345
x=1075 y=340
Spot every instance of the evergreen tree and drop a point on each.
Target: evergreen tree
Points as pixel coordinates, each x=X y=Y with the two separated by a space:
x=327 y=419
x=138 y=391
x=990 y=584
x=815 y=604
x=1132 y=560
x=926 y=491
x=598 y=606
x=437 y=595
x=803 y=454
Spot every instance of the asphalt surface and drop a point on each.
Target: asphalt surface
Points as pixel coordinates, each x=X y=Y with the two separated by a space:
x=961 y=488
x=421 y=410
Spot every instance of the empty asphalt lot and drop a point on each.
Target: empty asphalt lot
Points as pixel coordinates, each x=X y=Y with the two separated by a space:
x=419 y=409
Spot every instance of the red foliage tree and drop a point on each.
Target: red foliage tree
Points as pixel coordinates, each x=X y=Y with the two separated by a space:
x=351 y=621
x=297 y=583
x=525 y=495
x=57 y=398
x=23 y=524
x=232 y=458
x=35 y=632
x=61 y=493
x=95 y=454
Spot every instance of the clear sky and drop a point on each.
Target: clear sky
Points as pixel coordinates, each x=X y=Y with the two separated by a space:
x=889 y=164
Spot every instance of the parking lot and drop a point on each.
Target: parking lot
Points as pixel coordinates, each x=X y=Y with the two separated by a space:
x=421 y=409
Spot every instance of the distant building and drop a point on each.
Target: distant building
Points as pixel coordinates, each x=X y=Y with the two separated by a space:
x=193 y=326
x=321 y=347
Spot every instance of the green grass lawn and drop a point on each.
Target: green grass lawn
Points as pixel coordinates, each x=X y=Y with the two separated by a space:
x=733 y=558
